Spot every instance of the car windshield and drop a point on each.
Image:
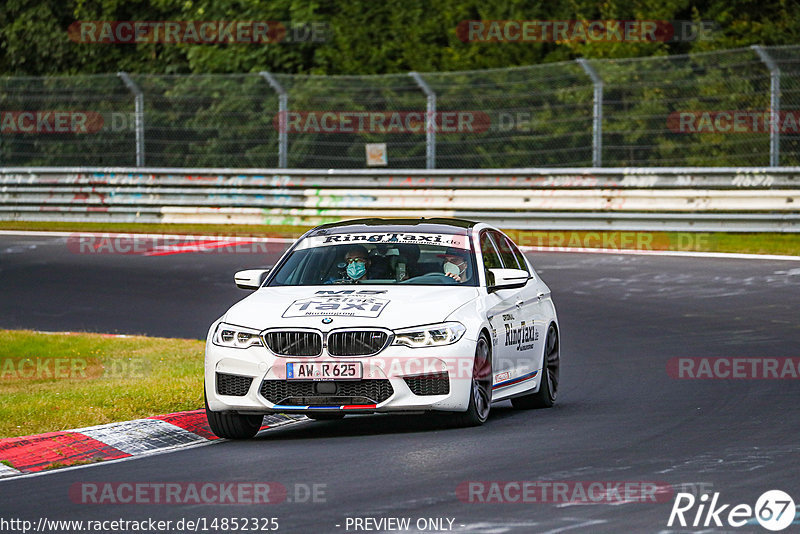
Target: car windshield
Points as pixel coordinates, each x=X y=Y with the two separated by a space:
x=379 y=258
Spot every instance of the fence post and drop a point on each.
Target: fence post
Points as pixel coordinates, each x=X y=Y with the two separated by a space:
x=138 y=115
x=283 y=109
x=430 y=121
x=774 y=104
x=597 y=113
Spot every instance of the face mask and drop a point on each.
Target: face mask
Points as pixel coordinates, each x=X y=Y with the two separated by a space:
x=452 y=268
x=356 y=270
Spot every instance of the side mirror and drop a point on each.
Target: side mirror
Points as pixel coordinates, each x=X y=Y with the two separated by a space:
x=251 y=278
x=509 y=278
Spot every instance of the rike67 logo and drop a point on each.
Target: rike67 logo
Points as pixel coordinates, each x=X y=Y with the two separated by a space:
x=774 y=510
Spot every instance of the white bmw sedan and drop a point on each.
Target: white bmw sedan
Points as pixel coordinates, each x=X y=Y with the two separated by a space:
x=385 y=315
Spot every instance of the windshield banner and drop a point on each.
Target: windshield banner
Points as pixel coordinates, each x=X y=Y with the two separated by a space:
x=389 y=238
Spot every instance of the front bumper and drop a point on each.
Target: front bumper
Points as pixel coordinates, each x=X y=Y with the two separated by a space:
x=403 y=369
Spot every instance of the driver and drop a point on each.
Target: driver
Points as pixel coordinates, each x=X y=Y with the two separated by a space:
x=358 y=262
x=455 y=264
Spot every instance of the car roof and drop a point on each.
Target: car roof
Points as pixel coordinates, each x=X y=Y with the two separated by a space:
x=439 y=225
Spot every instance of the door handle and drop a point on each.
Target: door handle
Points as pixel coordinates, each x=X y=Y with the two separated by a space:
x=519 y=303
x=540 y=294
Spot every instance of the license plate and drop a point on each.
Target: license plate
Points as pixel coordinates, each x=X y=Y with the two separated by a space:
x=324 y=371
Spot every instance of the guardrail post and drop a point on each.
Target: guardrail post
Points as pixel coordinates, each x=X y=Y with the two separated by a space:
x=283 y=109
x=597 y=112
x=430 y=121
x=138 y=115
x=774 y=104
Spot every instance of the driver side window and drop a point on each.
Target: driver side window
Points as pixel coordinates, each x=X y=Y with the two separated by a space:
x=491 y=259
x=506 y=254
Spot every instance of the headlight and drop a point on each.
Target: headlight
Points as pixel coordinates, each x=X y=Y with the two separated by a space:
x=434 y=335
x=237 y=337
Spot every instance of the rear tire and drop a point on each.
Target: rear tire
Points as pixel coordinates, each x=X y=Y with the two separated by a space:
x=480 y=396
x=548 y=390
x=232 y=425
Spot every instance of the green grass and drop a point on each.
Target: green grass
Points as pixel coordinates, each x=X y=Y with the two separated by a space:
x=748 y=243
x=99 y=379
x=59 y=465
x=768 y=243
x=752 y=243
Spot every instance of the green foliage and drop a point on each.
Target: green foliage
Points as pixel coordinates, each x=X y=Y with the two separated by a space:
x=362 y=37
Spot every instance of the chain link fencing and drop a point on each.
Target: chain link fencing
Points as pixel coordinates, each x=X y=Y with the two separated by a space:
x=711 y=109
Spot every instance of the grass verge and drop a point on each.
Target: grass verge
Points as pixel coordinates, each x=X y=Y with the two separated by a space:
x=745 y=243
x=52 y=382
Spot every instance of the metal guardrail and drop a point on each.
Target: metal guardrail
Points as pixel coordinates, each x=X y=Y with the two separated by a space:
x=744 y=199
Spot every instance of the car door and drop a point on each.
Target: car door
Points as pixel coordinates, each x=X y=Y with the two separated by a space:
x=502 y=312
x=525 y=331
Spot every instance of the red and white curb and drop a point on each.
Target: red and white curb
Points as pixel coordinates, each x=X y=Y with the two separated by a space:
x=6 y=471
x=114 y=441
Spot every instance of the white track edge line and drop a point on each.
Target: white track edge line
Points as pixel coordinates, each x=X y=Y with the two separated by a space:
x=38 y=233
x=675 y=253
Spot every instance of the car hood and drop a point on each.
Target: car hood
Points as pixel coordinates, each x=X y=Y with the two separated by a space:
x=348 y=306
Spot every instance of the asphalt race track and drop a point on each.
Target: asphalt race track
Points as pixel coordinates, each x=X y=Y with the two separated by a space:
x=620 y=415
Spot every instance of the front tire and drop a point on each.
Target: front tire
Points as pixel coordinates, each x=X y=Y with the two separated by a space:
x=548 y=390
x=480 y=395
x=233 y=425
